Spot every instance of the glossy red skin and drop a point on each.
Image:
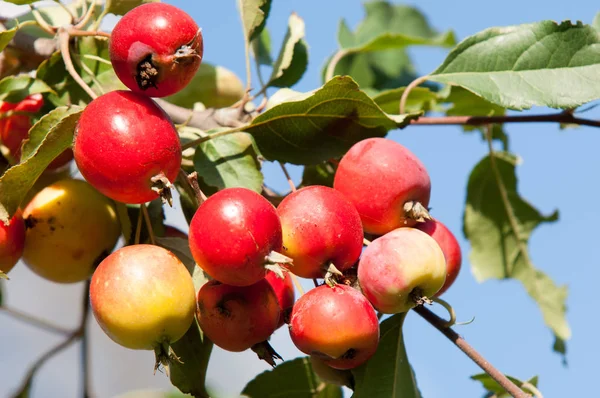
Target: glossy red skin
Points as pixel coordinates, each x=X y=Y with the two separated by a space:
x=15 y=129
x=122 y=140
x=320 y=226
x=232 y=233
x=284 y=290
x=237 y=317
x=450 y=247
x=12 y=241
x=328 y=322
x=379 y=176
x=160 y=30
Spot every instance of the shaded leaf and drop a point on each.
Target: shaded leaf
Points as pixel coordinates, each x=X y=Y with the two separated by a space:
x=254 y=16
x=229 y=161
x=213 y=86
x=293 y=56
x=126 y=225
x=16 y=88
x=16 y=181
x=291 y=379
x=388 y=373
x=498 y=251
x=261 y=47
x=6 y=36
x=121 y=7
x=517 y=67
x=492 y=387
x=319 y=174
x=2 y=276
x=419 y=99
x=321 y=125
x=39 y=131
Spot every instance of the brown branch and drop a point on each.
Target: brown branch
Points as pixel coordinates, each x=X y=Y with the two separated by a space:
x=476 y=357
x=563 y=117
x=204 y=120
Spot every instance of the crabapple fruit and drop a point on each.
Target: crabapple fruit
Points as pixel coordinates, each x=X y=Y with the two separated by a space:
x=336 y=324
x=70 y=228
x=15 y=129
x=143 y=297
x=284 y=290
x=12 y=241
x=235 y=236
x=388 y=185
x=320 y=226
x=156 y=49
x=400 y=269
x=237 y=317
x=127 y=147
x=450 y=247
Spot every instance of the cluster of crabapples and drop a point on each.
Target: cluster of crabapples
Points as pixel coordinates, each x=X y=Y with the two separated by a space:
x=143 y=296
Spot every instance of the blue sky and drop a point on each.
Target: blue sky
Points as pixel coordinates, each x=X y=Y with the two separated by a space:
x=558 y=171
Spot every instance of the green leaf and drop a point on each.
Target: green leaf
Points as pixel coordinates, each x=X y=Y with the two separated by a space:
x=291 y=379
x=492 y=387
x=254 y=16
x=500 y=252
x=21 y=2
x=16 y=181
x=388 y=373
x=517 y=67
x=319 y=174
x=229 y=161
x=419 y=99
x=6 y=36
x=293 y=56
x=596 y=22
x=125 y=221
x=2 y=276
x=121 y=7
x=16 y=88
x=323 y=124
x=261 y=47
x=41 y=129
x=345 y=35
x=213 y=86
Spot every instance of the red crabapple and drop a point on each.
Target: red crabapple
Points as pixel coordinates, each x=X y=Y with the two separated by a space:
x=387 y=183
x=156 y=49
x=143 y=298
x=284 y=290
x=320 y=226
x=236 y=318
x=400 y=269
x=235 y=236
x=450 y=247
x=127 y=147
x=336 y=324
x=15 y=129
x=12 y=241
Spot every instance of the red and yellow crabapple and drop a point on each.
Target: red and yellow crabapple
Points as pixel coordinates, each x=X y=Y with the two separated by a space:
x=12 y=241
x=284 y=290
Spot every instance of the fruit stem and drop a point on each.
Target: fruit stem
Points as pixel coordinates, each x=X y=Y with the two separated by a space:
x=448 y=308
x=87 y=16
x=298 y=284
x=366 y=242
x=63 y=41
x=85 y=354
x=315 y=282
x=84 y=33
x=287 y=175
x=407 y=91
x=148 y=223
x=475 y=356
x=138 y=228
x=192 y=179
x=45 y=26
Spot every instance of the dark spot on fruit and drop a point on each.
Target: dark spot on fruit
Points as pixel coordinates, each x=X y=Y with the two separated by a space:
x=51 y=220
x=147 y=73
x=77 y=254
x=52 y=228
x=350 y=354
x=30 y=222
x=223 y=310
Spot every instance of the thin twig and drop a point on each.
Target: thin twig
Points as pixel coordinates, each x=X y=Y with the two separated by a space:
x=465 y=347
x=63 y=39
x=483 y=120
x=64 y=7
x=333 y=63
x=86 y=17
x=209 y=137
x=407 y=91
x=96 y=58
x=37 y=322
x=287 y=175
x=85 y=354
x=138 y=228
x=45 y=26
x=148 y=223
x=298 y=284
x=85 y=33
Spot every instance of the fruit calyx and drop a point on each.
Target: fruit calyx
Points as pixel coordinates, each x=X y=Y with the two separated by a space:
x=417 y=297
x=332 y=274
x=162 y=186
x=416 y=211
x=189 y=50
x=164 y=356
x=273 y=261
x=266 y=352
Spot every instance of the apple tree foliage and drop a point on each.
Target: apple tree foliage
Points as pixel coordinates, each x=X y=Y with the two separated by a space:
x=500 y=69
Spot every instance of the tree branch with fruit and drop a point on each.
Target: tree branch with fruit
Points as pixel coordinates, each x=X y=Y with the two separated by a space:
x=145 y=121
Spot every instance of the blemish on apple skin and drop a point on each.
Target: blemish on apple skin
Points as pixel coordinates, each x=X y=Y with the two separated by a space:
x=77 y=254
